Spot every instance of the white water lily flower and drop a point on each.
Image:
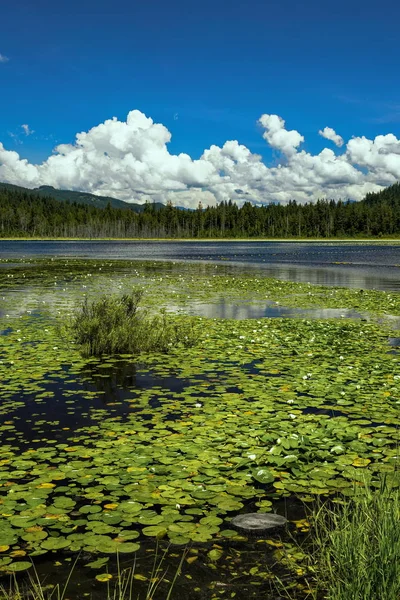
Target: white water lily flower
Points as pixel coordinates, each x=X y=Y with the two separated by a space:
x=292 y=416
x=198 y=405
x=289 y=401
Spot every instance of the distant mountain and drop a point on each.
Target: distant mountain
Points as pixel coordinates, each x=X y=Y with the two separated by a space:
x=79 y=197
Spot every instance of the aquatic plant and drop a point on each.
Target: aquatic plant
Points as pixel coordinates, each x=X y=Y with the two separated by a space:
x=357 y=546
x=116 y=325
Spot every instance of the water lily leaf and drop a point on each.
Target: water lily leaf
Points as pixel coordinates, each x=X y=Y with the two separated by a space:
x=228 y=533
x=64 y=502
x=103 y=577
x=34 y=536
x=98 y=563
x=18 y=566
x=263 y=475
x=360 y=462
x=90 y=509
x=55 y=543
x=128 y=547
x=215 y=554
x=158 y=531
x=211 y=520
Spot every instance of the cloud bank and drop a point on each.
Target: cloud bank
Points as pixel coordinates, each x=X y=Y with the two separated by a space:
x=130 y=160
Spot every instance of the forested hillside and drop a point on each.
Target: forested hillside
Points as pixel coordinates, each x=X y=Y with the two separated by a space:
x=26 y=214
x=72 y=196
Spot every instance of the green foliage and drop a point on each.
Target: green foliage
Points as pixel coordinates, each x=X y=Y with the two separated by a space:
x=47 y=212
x=357 y=546
x=116 y=325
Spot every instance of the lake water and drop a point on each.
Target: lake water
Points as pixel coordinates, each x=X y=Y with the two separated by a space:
x=359 y=265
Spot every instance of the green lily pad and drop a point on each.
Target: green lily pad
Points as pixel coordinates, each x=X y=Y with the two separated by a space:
x=263 y=475
x=55 y=543
x=16 y=567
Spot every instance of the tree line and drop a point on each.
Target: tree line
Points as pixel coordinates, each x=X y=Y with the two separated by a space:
x=24 y=214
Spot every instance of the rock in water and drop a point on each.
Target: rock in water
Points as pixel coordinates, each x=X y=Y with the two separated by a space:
x=258 y=523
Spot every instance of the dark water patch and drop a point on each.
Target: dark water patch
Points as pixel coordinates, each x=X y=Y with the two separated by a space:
x=6 y=331
x=66 y=404
x=394 y=342
x=331 y=412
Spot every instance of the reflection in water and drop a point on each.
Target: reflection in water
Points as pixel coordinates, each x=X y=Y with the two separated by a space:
x=224 y=309
x=349 y=276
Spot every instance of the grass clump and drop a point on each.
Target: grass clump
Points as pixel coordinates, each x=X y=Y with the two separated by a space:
x=357 y=546
x=117 y=324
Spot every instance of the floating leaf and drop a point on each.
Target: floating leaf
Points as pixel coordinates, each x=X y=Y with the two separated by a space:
x=18 y=566
x=263 y=475
x=215 y=554
x=103 y=577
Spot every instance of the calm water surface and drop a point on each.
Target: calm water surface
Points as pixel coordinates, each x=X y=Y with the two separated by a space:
x=369 y=266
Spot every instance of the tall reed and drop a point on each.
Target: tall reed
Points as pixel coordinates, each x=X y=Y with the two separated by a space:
x=357 y=546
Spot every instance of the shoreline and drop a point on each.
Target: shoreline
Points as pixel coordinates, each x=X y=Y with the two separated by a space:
x=204 y=240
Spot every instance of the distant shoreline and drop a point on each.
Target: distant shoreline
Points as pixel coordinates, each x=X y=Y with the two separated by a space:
x=376 y=240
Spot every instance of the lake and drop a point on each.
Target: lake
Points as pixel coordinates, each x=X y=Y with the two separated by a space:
x=107 y=455
x=353 y=265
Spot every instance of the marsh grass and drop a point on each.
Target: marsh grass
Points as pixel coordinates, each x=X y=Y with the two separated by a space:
x=118 y=324
x=356 y=546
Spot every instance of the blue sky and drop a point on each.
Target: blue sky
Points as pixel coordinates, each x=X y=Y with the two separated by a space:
x=206 y=70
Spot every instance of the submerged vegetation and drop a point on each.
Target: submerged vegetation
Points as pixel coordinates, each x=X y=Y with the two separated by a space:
x=117 y=324
x=107 y=454
x=24 y=213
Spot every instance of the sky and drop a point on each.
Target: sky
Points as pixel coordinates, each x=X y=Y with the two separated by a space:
x=188 y=102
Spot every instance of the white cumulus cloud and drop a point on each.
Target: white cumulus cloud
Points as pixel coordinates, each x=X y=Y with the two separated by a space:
x=130 y=160
x=330 y=134
x=278 y=137
x=3 y=59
